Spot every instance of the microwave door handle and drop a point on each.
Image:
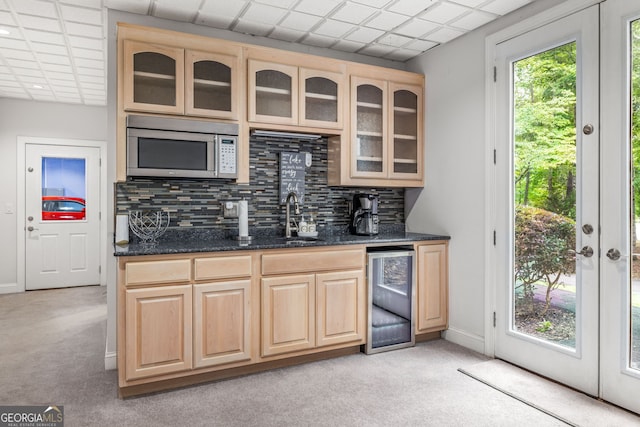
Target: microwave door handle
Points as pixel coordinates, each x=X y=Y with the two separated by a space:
x=212 y=155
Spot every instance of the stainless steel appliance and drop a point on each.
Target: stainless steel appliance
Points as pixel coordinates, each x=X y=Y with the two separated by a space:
x=391 y=298
x=181 y=148
x=364 y=214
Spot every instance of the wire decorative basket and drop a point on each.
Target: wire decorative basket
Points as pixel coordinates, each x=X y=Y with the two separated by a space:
x=149 y=225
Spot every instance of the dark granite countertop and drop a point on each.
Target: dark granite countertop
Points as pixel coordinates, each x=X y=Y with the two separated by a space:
x=207 y=241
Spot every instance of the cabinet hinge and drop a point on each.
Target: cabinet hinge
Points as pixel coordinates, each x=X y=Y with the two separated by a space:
x=494 y=319
x=494 y=237
x=99 y=269
x=495 y=155
x=495 y=74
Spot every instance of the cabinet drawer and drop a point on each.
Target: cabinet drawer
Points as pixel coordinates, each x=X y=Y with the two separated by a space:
x=158 y=272
x=302 y=261
x=222 y=267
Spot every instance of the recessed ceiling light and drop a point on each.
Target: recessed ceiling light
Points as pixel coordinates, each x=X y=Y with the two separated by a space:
x=4 y=32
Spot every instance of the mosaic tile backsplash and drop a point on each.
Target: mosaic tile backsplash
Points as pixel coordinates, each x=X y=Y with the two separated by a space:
x=198 y=203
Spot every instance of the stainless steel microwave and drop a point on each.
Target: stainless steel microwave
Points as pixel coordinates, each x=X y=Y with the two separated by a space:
x=181 y=148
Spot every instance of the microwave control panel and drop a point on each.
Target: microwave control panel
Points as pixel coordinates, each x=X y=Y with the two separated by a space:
x=227 y=156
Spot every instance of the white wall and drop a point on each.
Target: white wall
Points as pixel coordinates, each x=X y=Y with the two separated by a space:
x=453 y=200
x=40 y=119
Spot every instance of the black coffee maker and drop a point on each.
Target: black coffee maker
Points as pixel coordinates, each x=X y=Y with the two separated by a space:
x=364 y=214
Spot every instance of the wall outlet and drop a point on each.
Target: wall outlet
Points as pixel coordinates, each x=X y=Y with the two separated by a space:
x=230 y=209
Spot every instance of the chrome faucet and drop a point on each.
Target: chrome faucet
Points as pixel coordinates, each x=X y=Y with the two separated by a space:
x=296 y=208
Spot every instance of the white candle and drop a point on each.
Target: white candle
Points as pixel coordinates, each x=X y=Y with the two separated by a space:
x=243 y=218
x=122 y=229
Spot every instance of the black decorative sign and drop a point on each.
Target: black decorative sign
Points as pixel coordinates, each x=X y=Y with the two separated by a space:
x=292 y=171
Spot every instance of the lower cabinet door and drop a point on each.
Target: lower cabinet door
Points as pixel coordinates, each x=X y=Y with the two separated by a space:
x=341 y=307
x=222 y=322
x=158 y=330
x=432 y=288
x=288 y=313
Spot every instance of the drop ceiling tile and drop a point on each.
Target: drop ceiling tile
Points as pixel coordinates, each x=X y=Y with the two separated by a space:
x=94 y=86
x=223 y=8
x=300 y=21
x=285 y=4
x=386 y=21
x=470 y=3
x=84 y=15
x=91 y=79
x=53 y=49
x=44 y=37
x=374 y=3
x=13 y=44
x=17 y=54
x=53 y=59
x=59 y=68
x=90 y=72
x=89 y=63
x=410 y=7
x=263 y=14
x=376 y=49
x=287 y=34
x=214 y=20
x=61 y=76
x=38 y=23
x=364 y=35
x=353 y=12
x=473 y=20
x=87 y=53
x=416 y=28
x=502 y=7
x=335 y=29
x=443 y=35
x=402 y=55
x=444 y=12
x=315 y=7
x=421 y=45
x=318 y=40
x=29 y=71
x=83 y=30
x=32 y=80
x=250 y=27
x=139 y=6
x=348 y=46
x=36 y=8
x=7 y=19
x=85 y=43
x=96 y=4
x=176 y=11
x=395 y=40
x=62 y=83
x=19 y=63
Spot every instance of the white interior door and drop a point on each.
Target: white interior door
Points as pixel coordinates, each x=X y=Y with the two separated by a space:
x=62 y=207
x=620 y=194
x=547 y=92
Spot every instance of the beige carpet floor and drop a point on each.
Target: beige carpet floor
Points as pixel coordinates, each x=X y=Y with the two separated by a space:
x=568 y=405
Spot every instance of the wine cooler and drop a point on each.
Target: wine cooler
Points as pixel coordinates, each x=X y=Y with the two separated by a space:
x=391 y=281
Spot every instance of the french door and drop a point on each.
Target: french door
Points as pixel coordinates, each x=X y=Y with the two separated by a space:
x=567 y=299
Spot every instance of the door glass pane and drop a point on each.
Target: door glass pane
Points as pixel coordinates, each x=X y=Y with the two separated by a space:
x=544 y=102
x=211 y=86
x=63 y=189
x=154 y=79
x=634 y=288
x=370 y=129
x=273 y=93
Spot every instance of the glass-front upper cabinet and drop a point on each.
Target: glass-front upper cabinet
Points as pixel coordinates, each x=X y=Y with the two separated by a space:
x=368 y=128
x=273 y=92
x=321 y=98
x=153 y=78
x=406 y=131
x=211 y=84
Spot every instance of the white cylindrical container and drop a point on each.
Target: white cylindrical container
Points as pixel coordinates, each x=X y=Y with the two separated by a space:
x=243 y=218
x=122 y=229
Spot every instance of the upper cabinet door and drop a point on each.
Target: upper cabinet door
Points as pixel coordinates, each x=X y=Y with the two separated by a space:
x=368 y=128
x=406 y=131
x=153 y=78
x=273 y=92
x=212 y=84
x=321 y=98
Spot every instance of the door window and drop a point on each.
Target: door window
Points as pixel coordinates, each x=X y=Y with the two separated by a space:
x=634 y=284
x=63 y=189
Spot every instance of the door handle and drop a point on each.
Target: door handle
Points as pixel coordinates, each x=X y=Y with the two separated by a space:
x=31 y=228
x=586 y=252
x=614 y=254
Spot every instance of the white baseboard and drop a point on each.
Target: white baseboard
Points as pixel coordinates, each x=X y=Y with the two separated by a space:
x=465 y=339
x=9 y=288
x=110 y=360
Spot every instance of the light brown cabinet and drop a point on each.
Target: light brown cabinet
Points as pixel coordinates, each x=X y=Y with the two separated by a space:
x=286 y=94
x=432 y=287
x=173 y=80
x=158 y=331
